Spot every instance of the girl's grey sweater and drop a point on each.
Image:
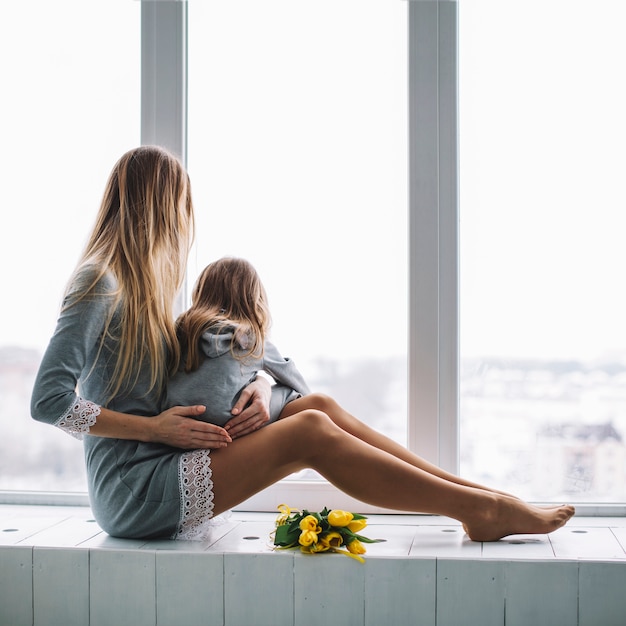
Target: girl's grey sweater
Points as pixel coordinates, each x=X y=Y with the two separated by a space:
x=224 y=372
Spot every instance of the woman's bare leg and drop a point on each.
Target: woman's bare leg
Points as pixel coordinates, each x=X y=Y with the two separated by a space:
x=311 y=439
x=355 y=427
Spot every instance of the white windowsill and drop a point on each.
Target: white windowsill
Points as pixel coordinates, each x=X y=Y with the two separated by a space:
x=598 y=538
x=427 y=571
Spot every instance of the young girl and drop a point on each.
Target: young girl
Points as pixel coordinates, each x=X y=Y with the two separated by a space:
x=224 y=345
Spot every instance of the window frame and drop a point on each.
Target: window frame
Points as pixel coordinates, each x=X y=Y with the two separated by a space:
x=433 y=237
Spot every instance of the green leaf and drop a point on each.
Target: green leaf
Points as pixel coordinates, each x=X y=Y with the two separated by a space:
x=284 y=536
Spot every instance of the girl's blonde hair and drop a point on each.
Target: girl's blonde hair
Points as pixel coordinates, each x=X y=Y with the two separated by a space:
x=142 y=235
x=228 y=291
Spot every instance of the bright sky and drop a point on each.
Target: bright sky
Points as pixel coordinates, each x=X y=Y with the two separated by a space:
x=542 y=168
x=73 y=110
x=297 y=157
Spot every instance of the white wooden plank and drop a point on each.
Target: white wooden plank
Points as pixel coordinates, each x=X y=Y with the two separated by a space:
x=70 y=532
x=189 y=588
x=519 y=547
x=16 y=585
x=586 y=543
x=18 y=529
x=328 y=589
x=266 y=581
x=7 y=512
x=602 y=594
x=172 y=545
x=397 y=540
x=246 y=537
x=400 y=591
x=444 y=541
x=620 y=535
x=598 y=521
x=470 y=592
x=123 y=587
x=102 y=541
x=541 y=592
x=175 y=545
x=60 y=586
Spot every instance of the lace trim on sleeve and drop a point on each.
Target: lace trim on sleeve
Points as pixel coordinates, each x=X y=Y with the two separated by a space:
x=196 y=495
x=78 y=418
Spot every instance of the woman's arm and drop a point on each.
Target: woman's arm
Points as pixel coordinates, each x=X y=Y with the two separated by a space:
x=252 y=410
x=172 y=427
x=256 y=396
x=70 y=357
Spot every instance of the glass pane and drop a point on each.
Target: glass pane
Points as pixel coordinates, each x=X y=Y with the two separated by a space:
x=297 y=155
x=70 y=109
x=543 y=400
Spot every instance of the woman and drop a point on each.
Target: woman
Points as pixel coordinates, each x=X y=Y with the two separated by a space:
x=116 y=340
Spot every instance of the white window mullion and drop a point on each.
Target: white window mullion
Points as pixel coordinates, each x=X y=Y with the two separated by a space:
x=164 y=75
x=433 y=232
x=164 y=82
x=448 y=237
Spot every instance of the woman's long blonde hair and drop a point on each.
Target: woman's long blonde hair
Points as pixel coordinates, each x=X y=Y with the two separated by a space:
x=143 y=233
x=228 y=291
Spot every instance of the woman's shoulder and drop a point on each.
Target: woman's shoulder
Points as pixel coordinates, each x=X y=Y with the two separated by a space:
x=92 y=280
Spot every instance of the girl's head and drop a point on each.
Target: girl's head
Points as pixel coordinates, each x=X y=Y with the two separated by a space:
x=228 y=290
x=232 y=288
x=142 y=236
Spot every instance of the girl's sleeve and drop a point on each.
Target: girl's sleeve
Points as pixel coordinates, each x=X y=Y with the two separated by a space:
x=55 y=399
x=283 y=370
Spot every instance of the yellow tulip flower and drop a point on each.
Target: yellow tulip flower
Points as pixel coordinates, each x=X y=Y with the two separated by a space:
x=320 y=546
x=339 y=518
x=331 y=539
x=357 y=525
x=356 y=547
x=307 y=537
x=310 y=523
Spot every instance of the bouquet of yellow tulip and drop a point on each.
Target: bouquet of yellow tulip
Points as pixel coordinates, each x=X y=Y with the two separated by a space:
x=325 y=531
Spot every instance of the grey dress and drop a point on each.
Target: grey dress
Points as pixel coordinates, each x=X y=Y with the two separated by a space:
x=221 y=377
x=137 y=490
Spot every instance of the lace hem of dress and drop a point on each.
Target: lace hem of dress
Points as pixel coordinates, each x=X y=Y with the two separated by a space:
x=78 y=418
x=196 y=495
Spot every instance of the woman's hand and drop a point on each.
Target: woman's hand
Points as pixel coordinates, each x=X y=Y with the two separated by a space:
x=175 y=428
x=252 y=410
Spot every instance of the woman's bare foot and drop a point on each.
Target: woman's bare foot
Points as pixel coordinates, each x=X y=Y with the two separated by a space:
x=510 y=516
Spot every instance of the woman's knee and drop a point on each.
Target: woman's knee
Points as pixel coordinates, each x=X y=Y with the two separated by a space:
x=313 y=434
x=322 y=402
x=313 y=417
x=311 y=425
